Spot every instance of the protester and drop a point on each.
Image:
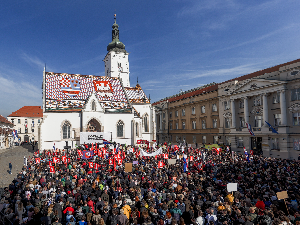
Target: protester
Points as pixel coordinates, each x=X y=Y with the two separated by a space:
x=169 y=185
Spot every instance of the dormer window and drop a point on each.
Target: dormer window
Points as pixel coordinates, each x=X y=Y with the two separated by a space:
x=93 y=105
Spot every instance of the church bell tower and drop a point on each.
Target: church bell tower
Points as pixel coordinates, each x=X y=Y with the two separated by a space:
x=116 y=60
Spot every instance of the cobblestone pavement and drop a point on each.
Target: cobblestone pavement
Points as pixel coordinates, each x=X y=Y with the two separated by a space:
x=14 y=155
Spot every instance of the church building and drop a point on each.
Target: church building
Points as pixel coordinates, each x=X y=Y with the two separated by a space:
x=75 y=103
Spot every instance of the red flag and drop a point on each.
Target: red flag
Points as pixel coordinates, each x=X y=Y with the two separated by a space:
x=52 y=170
x=160 y=164
x=79 y=153
x=119 y=161
x=111 y=162
x=50 y=163
x=166 y=156
x=114 y=164
x=37 y=160
x=191 y=158
x=64 y=159
x=96 y=166
x=114 y=151
x=91 y=165
x=55 y=160
x=69 y=160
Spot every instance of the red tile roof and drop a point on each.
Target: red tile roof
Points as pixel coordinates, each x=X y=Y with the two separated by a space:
x=28 y=111
x=4 y=120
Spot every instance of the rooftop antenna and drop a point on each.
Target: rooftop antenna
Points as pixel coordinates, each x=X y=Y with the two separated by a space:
x=137 y=79
x=45 y=68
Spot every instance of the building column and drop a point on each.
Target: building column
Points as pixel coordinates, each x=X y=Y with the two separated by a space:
x=160 y=120
x=233 y=115
x=283 y=108
x=246 y=110
x=265 y=110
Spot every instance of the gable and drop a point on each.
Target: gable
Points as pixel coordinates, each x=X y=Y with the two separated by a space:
x=251 y=85
x=88 y=107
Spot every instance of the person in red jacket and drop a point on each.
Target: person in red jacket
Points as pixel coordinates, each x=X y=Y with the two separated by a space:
x=69 y=208
x=91 y=204
x=260 y=205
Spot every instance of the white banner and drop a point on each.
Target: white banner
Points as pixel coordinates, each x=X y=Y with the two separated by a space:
x=94 y=137
x=157 y=152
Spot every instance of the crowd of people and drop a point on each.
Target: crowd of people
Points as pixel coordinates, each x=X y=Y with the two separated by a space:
x=95 y=186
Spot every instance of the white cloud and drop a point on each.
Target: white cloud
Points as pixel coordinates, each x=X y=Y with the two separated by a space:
x=35 y=61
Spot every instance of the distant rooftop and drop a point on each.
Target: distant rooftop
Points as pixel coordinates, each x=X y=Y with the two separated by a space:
x=4 y=120
x=28 y=111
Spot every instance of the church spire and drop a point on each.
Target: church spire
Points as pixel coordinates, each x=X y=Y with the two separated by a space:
x=116 y=45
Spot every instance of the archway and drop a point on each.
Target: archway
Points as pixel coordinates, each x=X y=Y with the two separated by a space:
x=93 y=126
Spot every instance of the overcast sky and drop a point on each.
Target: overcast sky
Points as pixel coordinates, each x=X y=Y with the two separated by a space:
x=173 y=45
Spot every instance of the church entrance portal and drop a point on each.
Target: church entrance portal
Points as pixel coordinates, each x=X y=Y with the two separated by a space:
x=93 y=126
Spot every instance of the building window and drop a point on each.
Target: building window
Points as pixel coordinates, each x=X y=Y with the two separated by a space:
x=203 y=109
x=25 y=120
x=295 y=94
x=204 y=139
x=277 y=120
x=194 y=125
x=176 y=126
x=164 y=115
x=241 y=104
x=19 y=130
x=66 y=130
x=163 y=126
x=176 y=113
x=258 y=121
x=146 y=123
x=240 y=142
x=32 y=130
x=226 y=105
x=19 y=121
x=93 y=106
x=296 y=144
x=214 y=108
x=227 y=123
x=120 y=128
x=275 y=143
x=215 y=123
x=276 y=98
x=193 y=110
x=183 y=112
x=170 y=114
x=257 y=100
x=242 y=122
x=183 y=125
x=171 y=126
x=216 y=139
x=296 y=119
x=137 y=129
x=203 y=124
x=39 y=120
x=194 y=139
x=26 y=130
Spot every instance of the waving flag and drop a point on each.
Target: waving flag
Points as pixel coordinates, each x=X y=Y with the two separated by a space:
x=250 y=129
x=52 y=170
x=91 y=165
x=37 y=160
x=54 y=146
x=160 y=164
x=246 y=154
x=87 y=154
x=185 y=165
x=272 y=128
x=79 y=153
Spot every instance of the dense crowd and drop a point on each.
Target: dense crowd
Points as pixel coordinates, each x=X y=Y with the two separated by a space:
x=60 y=187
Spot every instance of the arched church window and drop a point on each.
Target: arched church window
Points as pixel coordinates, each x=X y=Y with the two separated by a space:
x=137 y=129
x=66 y=130
x=146 y=126
x=93 y=106
x=120 y=127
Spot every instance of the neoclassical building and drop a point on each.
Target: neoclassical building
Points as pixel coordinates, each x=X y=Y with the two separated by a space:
x=74 y=103
x=6 y=137
x=191 y=117
x=268 y=100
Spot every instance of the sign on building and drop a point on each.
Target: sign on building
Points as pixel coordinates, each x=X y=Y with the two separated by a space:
x=93 y=137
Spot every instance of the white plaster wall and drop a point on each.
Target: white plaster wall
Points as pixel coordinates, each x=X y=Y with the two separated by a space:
x=51 y=129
